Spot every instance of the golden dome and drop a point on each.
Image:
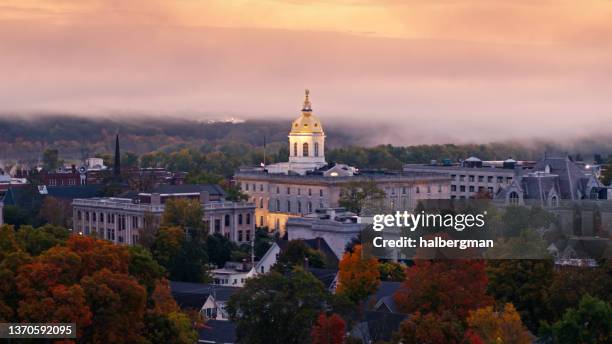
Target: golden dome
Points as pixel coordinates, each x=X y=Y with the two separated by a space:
x=307 y=122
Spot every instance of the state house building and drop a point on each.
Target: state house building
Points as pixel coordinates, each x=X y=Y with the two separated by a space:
x=307 y=182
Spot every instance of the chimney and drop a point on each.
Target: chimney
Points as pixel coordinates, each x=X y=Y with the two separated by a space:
x=204 y=197
x=155 y=199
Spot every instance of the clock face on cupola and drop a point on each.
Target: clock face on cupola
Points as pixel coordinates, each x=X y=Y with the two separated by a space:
x=306 y=139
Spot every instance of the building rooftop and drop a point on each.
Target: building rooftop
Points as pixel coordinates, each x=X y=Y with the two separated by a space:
x=218 y=332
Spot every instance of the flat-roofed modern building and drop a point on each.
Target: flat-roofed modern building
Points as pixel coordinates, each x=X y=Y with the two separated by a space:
x=473 y=176
x=121 y=219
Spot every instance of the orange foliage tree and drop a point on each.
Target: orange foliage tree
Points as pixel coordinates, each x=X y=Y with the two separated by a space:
x=328 y=330
x=502 y=326
x=358 y=276
x=455 y=286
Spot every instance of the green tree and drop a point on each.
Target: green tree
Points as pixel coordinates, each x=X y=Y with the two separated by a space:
x=391 y=271
x=276 y=308
x=525 y=284
x=37 y=240
x=219 y=249
x=129 y=159
x=590 y=323
x=144 y=267
x=184 y=213
x=355 y=195
x=50 y=159
x=296 y=253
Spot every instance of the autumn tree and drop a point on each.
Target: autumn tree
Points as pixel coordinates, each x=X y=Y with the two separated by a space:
x=455 y=286
x=55 y=211
x=501 y=326
x=328 y=330
x=146 y=234
x=570 y=284
x=358 y=276
x=431 y=328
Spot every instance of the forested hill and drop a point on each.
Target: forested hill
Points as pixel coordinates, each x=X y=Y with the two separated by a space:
x=23 y=140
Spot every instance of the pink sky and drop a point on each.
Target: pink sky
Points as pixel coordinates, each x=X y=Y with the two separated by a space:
x=438 y=71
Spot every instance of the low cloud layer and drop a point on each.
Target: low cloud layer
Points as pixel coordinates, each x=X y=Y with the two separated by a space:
x=448 y=81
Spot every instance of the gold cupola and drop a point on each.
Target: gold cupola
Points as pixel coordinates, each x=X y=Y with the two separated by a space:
x=307 y=122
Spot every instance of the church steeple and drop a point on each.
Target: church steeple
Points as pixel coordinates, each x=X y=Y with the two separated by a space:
x=117 y=165
x=306 y=109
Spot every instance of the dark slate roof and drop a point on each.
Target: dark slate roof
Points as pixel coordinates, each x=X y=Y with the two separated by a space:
x=21 y=197
x=386 y=288
x=190 y=300
x=220 y=293
x=539 y=187
x=570 y=175
x=212 y=189
x=218 y=331
x=72 y=192
x=381 y=325
x=326 y=276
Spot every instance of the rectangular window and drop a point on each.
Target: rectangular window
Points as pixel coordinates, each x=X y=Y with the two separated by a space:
x=239 y=235
x=462 y=188
x=321 y=193
x=288 y=190
x=500 y=179
x=489 y=179
x=472 y=178
x=453 y=187
x=471 y=188
x=480 y=179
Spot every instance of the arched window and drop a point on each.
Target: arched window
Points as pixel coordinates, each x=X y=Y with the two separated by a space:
x=239 y=219
x=261 y=202
x=277 y=205
x=295 y=149
x=305 y=149
x=248 y=219
x=316 y=149
x=554 y=202
x=514 y=198
x=227 y=220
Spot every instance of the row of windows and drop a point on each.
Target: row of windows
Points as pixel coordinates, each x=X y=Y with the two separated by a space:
x=54 y=182
x=299 y=206
x=481 y=179
x=418 y=189
x=305 y=150
x=288 y=189
x=471 y=188
x=227 y=219
x=110 y=218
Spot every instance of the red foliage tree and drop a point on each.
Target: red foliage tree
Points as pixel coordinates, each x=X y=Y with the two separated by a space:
x=328 y=330
x=455 y=286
